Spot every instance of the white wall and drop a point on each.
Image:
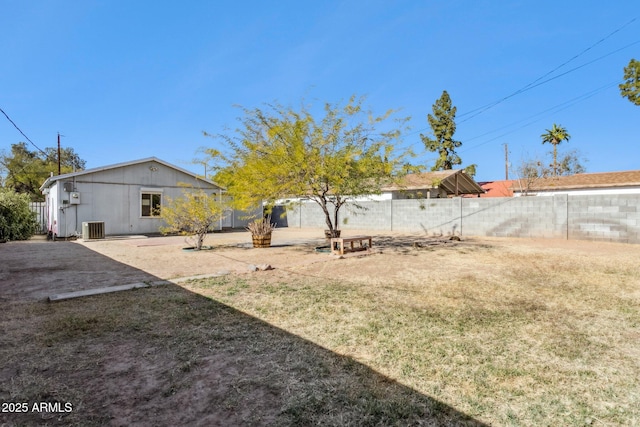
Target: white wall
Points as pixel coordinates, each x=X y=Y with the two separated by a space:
x=589 y=192
x=113 y=196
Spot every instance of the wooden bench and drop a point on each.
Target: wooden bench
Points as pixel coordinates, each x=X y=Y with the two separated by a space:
x=337 y=243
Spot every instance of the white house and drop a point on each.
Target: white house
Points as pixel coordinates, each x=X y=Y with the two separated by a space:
x=625 y=182
x=124 y=198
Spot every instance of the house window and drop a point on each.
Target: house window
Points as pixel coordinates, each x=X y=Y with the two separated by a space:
x=150 y=204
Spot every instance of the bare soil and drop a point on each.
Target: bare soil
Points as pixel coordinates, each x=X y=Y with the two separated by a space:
x=36 y=269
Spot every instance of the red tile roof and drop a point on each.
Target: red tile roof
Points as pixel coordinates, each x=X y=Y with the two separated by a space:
x=497 y=188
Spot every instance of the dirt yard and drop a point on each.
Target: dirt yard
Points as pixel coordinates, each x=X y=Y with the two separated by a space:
x=37 y=269
x=279 y=347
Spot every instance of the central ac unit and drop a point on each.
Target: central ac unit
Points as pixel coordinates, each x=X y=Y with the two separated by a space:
x=93 y=230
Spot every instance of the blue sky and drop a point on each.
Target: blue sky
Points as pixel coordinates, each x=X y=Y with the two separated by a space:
x=123 y=80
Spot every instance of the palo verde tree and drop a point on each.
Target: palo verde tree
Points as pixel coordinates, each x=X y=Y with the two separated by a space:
x=192 y=215
x=282 y=153
x=555 y=136
x=25 y=170
x=630 y=88
x=443 y=126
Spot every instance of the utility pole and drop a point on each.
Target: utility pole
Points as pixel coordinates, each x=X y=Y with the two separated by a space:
x=506 y=161
x=59 y=153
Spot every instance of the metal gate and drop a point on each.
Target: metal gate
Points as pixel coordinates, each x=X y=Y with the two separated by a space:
x=40 y=209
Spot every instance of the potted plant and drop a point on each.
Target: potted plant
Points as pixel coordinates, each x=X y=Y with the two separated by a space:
x=261 y=230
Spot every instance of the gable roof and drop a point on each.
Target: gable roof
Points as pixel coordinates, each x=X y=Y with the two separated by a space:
x=448 y=180
x=583 y=181
x=52 y=179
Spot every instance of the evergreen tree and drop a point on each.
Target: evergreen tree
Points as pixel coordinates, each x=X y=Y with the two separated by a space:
x=630 y=89
x=443 y=126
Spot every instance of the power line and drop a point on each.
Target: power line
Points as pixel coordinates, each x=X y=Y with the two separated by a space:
x=537 y=82
x=529 y=120
x=564 y=106
x=583 y=52
x=20 y=130
x=533 y=84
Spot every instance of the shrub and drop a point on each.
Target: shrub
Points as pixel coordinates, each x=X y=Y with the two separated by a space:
x=17 y=221
x=192 y=215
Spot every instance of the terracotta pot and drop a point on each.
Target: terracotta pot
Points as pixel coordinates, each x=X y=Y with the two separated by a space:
x=261 y=241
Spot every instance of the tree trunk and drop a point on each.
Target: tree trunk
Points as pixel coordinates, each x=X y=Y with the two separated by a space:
x=200 y=241
x=327 y=216
x=332 y=226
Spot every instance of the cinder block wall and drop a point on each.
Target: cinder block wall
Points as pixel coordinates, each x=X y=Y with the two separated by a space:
x=309 y=215
x=432 y=216
x=515 y=217
x=614 y=218
x=370 y=215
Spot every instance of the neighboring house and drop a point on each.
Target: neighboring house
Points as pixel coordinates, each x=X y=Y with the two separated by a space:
x=432 y=185
x=126 y=197
x=497 y=188
x=627 y=182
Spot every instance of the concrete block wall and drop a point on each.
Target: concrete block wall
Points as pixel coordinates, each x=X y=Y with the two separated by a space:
x=440 y=217
x=369 y=215
x=614 y=218
x=241 y=219
x=310 y=215
x=515 y=217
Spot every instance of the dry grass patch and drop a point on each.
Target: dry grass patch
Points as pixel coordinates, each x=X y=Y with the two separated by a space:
x=509 y=335
x=166 y=356
x=491 y=332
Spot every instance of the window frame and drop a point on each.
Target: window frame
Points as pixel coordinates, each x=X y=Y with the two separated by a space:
x=151 y=192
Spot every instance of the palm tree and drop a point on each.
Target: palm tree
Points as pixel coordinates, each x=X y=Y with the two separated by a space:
x=555 y=136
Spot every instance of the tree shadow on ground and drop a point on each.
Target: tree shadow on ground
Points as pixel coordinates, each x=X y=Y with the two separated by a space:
x=404 y=243
x=166 y=356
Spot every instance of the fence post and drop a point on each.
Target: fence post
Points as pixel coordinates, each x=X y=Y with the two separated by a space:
x=567 y=215
x=460 y=215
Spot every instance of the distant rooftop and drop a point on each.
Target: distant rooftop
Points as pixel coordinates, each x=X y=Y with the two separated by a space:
x=583 y=181
x=449 y=180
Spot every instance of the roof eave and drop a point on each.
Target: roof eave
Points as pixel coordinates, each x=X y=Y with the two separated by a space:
x=50 y=180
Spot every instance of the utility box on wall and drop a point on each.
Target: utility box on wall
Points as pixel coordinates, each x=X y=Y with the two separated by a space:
x=75 y=198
